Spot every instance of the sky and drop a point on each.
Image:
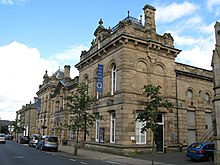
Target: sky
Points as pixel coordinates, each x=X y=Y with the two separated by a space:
x=40 y=35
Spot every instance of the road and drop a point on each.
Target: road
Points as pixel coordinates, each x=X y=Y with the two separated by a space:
x=12 y=153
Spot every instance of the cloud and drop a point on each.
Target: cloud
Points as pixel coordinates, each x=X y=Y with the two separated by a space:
x=13 y=2
x=209 y=29
x=201 y=53
x=71 y=56
x=22 y=69
x=174 y=11
x=212 y=3
x=184 y=40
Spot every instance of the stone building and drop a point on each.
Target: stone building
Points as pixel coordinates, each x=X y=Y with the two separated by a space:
x=27 y=115
x=52 y=114
x=119 y=63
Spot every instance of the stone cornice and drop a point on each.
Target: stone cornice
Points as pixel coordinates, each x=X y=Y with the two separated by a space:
x=121 y=40
x=193 y=75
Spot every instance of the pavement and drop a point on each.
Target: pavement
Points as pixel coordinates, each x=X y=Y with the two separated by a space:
x=111 y=158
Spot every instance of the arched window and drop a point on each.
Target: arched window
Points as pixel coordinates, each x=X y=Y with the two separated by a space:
x=113 y=83
x=86 y=79
x=190 y=94
x=207 y=97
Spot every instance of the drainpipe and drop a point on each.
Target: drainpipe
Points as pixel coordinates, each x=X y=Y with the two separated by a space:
x=177 y=110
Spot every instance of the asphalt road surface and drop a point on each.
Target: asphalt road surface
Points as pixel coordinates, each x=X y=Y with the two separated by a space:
x=12 y=153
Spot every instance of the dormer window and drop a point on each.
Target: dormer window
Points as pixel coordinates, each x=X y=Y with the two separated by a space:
x=99 y=43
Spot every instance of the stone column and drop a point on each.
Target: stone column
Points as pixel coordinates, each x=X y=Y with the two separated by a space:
x=216 y=100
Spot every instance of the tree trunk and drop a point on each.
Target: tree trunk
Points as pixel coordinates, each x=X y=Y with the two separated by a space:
x=153 y=150
x=76 y=143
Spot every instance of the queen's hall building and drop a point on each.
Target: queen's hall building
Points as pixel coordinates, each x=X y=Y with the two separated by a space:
x=123 y=59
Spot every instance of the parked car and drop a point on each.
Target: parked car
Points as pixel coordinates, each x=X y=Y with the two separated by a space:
x=2 y=138
x=9 y=137
x=24 y=140
x=40 y=141
x=201 y=151
x=33 y=140
x=48 y=143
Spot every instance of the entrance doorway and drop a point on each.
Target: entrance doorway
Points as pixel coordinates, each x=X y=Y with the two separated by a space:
x=159 y=136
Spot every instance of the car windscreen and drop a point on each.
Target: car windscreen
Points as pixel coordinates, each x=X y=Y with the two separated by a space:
x=35 y=137
x=195 y=145
x=52 y=139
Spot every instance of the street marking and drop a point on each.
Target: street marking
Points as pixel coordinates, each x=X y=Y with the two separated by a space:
x=18 y=157
x=112 y=162
x=73 y=160
x=83 y=162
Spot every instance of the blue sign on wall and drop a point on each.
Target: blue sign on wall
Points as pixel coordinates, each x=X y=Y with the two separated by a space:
x=99 y=85
x=39 y=104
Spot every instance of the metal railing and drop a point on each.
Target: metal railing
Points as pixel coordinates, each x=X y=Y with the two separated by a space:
x=208 y=135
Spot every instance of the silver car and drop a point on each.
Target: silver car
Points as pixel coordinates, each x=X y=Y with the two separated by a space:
x=34 y=139
x=48 y=143
x=2 y=138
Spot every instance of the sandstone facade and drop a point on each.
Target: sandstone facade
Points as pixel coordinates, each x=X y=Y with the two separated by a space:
x=27 y=115
x=133 y=55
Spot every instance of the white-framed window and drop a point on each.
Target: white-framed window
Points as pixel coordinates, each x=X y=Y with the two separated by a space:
x=139 y=137
x=98 y=95
x=97 y=128
x=113 y=79
x=112 y=128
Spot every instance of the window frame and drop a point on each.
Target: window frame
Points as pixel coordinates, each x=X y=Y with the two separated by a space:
x=97 y=127
x=113 y=80
x=138 y=134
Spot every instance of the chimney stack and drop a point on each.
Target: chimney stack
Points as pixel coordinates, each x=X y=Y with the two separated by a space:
x=149 y=15
x=217 y=33
x=67 y=71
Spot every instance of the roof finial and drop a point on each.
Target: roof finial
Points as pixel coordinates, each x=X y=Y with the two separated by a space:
x=140 y=18
x=128 y=13
x=100 y=22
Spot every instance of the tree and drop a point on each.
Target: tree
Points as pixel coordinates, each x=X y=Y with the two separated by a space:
x=78 y=104
x=18 y=127
x=149 y=115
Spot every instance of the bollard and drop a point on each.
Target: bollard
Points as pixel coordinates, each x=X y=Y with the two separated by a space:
x=165 y=149
x=181 y=147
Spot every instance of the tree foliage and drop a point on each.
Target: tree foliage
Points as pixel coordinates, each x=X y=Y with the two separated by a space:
x=18 y=126
x=78 y=104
